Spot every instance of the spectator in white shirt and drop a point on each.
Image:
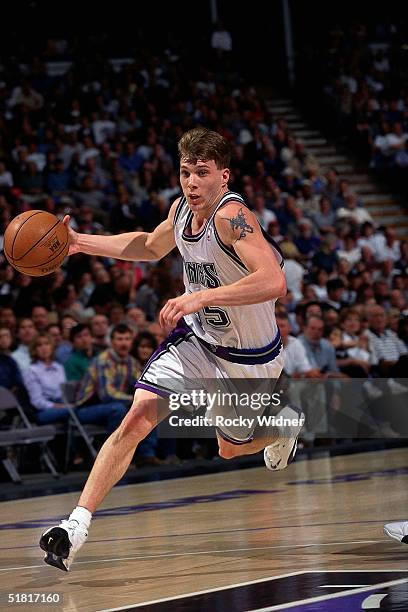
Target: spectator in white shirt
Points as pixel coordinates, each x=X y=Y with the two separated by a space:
x=6 y=178
x=296 y=361
x=26 y=332
x=370 y=238
x=294 y=272
x=351 y=252
x=351 y=211
x=320 y=283
x=264 y=216
x=388 y=352
x=391 y=247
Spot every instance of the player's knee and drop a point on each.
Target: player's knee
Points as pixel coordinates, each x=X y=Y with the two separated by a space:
x=136 y=425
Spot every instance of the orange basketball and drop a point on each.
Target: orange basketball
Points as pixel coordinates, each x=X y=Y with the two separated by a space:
x=36 y=243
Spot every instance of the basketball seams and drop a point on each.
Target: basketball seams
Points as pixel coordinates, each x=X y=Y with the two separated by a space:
x=48 y=260
x=38 y=241
x=17 y=232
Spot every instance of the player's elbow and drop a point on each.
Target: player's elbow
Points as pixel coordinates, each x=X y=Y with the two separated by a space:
x=152 y=251
x=279 y=288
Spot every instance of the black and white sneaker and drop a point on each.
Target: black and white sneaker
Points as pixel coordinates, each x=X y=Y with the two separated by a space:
x=397 y=531
x=278 y=455
x=61 y=543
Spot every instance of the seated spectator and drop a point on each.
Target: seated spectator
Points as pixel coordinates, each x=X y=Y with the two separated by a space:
x=390 y=249
x=306 y=241
x=58 y=179
x=10 y=375
x=330 y=318
x=319 y=351
x=274 y=231
x=65 y=298
x=294 y=272
x=8 y=319
x=325 y=218
x=26 y=333
x=350 y=252
x=100 y=332
x=63 y=348
x=6 y=178
x=335 y=290
x=143 y=347
x=297 y=364
x=347 y=363
x=326 y=257
x=321 y=401
x=320 y=281
x=136 y=318
x=370 y=238
x=43 y=381
x=388 y=352
x=111 y=377
x=157 y=285
x=263 y=214
x=54 y=330
x=82 y=353
x=114 y=372
x=40 y=318
x=351 y=211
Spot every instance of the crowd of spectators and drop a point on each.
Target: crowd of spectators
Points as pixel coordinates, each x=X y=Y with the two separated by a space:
x=365 y=84
x=101 y=145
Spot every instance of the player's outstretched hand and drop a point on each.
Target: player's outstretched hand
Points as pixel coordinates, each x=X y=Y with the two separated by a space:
x=176 y=308
x=73 y=237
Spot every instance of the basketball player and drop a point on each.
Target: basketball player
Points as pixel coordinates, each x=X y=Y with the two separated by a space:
x=223 y=326
x=398 y=531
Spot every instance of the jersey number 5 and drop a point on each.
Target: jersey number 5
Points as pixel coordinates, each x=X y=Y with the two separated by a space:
x=216 y=317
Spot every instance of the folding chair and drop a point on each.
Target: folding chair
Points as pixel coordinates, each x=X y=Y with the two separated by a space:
x=75 y=427
x=24 y=433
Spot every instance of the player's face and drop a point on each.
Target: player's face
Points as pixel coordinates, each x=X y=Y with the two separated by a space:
x=202 y=183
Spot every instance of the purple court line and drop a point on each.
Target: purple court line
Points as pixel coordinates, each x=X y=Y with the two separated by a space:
x=199 y=533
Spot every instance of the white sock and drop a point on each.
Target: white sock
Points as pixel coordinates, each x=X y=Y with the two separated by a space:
x=82 y=515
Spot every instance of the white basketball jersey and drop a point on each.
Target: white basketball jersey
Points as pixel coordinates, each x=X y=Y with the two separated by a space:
x=209 y=263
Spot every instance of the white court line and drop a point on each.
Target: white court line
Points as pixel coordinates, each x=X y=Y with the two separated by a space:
x=223 y=588
x=311 y=600
x=279 y=607
x=335 y=586
x=203 y=552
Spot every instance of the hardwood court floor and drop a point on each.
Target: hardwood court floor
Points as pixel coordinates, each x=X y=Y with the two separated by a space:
x=164 y=539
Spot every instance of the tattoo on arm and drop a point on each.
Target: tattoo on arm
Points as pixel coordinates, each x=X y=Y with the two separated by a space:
x=239 y=222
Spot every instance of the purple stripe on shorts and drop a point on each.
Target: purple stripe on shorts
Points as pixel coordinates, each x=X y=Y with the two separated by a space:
x=180 y=331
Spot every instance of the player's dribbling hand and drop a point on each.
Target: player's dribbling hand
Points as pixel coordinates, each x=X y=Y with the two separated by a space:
x=176 y=308
x=73 y=237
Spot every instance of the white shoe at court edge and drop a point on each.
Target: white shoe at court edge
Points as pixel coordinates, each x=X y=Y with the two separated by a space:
x=398 y=531
x=61 y=543
x=280 y=453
